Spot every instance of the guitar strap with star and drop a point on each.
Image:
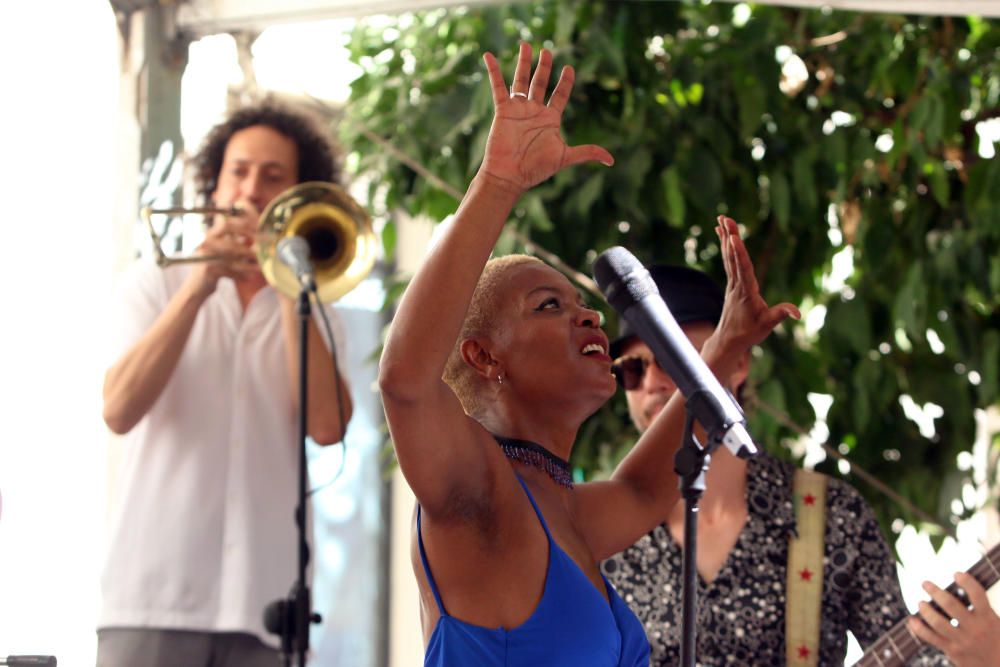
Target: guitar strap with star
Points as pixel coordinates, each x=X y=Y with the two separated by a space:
x=804 y=592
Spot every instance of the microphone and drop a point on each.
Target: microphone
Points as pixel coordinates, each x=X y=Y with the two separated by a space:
x=293 y=252
x=631 y=291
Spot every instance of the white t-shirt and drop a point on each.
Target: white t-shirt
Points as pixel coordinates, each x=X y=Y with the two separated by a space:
x=202 y=535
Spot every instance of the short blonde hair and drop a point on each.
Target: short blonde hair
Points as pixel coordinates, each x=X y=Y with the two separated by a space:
x=481 y=318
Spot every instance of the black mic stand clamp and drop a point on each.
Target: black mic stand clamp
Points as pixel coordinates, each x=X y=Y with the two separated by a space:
x=290 y=618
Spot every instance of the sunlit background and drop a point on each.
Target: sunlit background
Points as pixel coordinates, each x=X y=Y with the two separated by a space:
x=59 y=76
x=59 y=171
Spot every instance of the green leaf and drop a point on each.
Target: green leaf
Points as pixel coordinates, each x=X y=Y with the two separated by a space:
x=389 y=238
x=765 y=427
x=910 y=302
x=565 y=23
x=588 y=193
x=637 y=165
x=940 y=188
x=934 y=123
x=677 y=90
x=750 y=98
x=780 y=199
x=537 y=216
x=704 y=178
x=989 y=384
x=865 y=376
x=439 y=205
x=673 y=198
x=477 y=149
x=920 y=113
x=694 y=93
x=802 y=177
x=848 y=321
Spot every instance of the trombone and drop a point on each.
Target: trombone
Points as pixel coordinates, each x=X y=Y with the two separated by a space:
x=342 y=244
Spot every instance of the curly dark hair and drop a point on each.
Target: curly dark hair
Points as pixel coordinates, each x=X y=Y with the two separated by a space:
x=319 y=154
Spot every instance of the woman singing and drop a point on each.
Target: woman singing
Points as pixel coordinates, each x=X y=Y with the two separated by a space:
x=488 y=372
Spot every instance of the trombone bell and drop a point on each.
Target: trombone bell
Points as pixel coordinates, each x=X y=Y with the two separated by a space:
x=342 y=244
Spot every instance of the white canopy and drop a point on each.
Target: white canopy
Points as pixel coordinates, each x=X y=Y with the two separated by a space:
x=203 y=17
x=930 y=7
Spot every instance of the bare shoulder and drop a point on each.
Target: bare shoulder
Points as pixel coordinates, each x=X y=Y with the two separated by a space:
x=611 y=516
x=487 y=561
x=448 y=459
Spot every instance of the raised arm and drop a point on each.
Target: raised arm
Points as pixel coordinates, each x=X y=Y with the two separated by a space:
x=434 y=439
x=644 y=486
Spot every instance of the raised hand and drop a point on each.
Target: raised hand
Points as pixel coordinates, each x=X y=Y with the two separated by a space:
x=746 y=317
x=525 y=146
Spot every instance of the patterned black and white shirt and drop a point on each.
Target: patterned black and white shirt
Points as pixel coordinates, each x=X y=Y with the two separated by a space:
x=741 y=614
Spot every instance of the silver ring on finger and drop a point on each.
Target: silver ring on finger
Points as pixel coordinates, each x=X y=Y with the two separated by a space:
x=513 y=95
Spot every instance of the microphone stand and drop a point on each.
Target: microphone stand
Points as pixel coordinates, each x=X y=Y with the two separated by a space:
x=691 y=463
x=290 y=618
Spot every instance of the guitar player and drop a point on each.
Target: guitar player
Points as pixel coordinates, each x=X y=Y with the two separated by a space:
x=972 y=639
x=752 y=588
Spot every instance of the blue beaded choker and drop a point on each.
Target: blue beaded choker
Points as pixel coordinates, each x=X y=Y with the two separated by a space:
x=536 y=456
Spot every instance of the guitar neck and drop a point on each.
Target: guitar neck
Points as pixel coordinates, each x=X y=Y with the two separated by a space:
x=896 y=647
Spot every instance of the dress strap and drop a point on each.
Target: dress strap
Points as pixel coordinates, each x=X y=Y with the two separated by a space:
x=423 y=552
x=538 y=512
x=427 y=567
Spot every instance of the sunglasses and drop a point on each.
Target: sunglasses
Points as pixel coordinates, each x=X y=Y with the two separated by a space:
x=629 y=370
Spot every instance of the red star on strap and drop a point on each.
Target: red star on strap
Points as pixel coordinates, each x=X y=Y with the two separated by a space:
x=804 y=651
x=809 y=499
x=806 y=574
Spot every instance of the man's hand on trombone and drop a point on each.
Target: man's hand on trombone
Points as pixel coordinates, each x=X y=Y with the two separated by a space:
x=231 y=239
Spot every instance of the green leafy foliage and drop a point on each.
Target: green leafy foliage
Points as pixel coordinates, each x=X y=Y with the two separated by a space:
x=873 y=156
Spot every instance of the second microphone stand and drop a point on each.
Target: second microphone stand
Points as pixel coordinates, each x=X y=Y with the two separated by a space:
x=291 y=618
x=691 y=463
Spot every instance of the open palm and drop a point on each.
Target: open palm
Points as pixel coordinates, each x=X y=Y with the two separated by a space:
x=746 y=317
x=525 y=145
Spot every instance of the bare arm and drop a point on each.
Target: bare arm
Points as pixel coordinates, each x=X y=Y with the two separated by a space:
x=134 y=382
x=439 y=448
x=644 y=486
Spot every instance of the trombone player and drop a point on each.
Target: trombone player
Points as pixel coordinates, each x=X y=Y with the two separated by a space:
x=204 y=390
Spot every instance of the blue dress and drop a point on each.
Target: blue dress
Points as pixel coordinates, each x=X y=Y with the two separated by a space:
x=572 y=626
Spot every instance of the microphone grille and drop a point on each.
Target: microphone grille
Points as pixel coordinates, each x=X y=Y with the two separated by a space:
x=622 y=278
x=612 y=263
x=293 y=244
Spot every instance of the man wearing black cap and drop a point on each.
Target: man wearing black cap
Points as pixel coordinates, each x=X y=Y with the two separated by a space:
x=756 y=606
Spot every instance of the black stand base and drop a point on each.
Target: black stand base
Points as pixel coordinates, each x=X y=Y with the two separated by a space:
x=290 y=619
